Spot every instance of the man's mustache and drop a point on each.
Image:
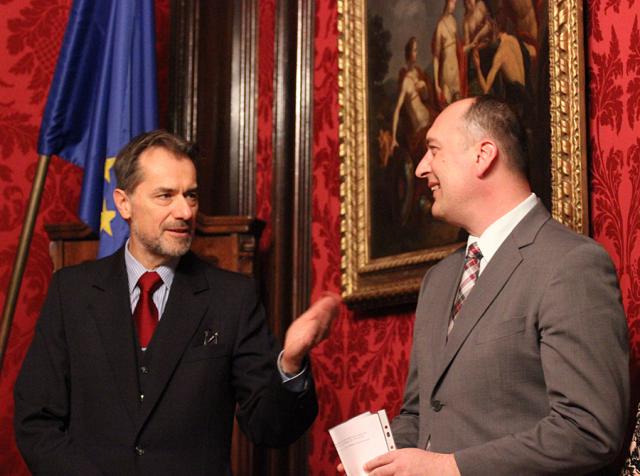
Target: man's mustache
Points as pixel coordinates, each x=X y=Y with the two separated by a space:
x=179 y=225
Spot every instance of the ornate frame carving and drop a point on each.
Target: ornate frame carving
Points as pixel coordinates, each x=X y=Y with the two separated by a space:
x=396 y=279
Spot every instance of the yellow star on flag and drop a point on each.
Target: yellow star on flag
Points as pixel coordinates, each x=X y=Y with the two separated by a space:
x=105 y=218
x=107 y=169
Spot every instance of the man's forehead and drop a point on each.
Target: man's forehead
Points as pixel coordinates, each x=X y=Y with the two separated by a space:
x=153 y=156
x=155 y=163
x=155 y=151
x=432 y=137
x=450 y=117
x=434 y=134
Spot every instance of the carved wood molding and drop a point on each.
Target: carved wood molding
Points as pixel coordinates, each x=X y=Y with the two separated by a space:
x=237 y=122
x=570 y=196
x=291 y=192
x=292 y=161
x=183 y=74
x=244 y=106
x=303 y=143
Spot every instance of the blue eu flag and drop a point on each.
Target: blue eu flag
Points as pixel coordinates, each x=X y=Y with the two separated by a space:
x=103 y=94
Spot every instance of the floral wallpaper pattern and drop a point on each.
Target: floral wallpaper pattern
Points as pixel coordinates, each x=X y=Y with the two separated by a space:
x=614 y=119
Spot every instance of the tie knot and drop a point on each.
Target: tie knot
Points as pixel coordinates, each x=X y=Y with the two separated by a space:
x=149 y=282
x=474 y=252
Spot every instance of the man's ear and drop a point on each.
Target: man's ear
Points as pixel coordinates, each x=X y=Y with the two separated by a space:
x=123 y=204
x=487 y=153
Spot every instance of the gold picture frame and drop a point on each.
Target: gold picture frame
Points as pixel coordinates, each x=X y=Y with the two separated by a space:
x=382 y=281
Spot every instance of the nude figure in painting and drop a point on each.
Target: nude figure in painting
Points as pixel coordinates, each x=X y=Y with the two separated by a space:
x=477 y=25
x=414 y=94
x=508 y=61
x=478 y=34
x=446 y=70
x=412 y=116
x=523 y=15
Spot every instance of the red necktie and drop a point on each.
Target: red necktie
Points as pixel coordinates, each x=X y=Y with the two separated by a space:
x=146 y=313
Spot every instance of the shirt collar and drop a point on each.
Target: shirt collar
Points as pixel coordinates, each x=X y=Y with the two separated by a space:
x=135 y=269
x=497 y=232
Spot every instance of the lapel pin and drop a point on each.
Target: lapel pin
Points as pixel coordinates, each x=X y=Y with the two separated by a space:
x=210 y=337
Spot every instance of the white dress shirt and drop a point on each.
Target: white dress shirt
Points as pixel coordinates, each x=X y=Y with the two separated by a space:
x=493 y=237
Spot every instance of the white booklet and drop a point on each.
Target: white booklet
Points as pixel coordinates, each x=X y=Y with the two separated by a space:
x=361 y=439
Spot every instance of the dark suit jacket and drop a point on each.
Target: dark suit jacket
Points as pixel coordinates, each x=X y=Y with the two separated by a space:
x=534 y=376
x=78 y=407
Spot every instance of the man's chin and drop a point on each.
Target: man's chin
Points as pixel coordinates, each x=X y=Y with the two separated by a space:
x=177 y=248
x=436 y=212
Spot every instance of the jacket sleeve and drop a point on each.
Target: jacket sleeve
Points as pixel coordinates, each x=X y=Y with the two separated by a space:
x=584 y=356
x=268 y=412
x=405 y=426
x=42 y=398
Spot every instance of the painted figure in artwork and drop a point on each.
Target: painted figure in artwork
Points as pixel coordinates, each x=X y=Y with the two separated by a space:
x=446 y=68
x=499 y=60
x=508 y=60
x=477 y=25
x=478 y=30
x=415 y=94
x=412 y=116
x=523 y=15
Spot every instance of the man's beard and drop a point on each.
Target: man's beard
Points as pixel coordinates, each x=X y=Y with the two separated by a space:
x=159 y=246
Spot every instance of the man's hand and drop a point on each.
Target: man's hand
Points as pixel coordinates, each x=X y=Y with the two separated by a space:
x=307 y=331
x=412 y=462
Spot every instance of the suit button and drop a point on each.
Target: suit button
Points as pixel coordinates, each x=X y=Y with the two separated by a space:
x=436 y=405
x=144 y=370
x=139 y=450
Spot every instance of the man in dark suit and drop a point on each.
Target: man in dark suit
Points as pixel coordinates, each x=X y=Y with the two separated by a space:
x=520 y=355
x=140 y=360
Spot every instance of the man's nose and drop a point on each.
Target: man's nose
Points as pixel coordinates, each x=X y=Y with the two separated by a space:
x=424 y=166
x=183 y=209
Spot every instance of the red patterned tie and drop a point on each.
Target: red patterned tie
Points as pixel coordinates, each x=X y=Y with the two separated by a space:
x=469 y=278
x=146 y=313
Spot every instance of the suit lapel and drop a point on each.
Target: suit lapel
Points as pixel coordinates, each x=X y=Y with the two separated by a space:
x=490 y=284
x=111 y=310
x=187 y=304
x=446 y=288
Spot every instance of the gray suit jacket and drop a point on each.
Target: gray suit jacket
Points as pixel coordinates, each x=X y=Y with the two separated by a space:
x=534 y=376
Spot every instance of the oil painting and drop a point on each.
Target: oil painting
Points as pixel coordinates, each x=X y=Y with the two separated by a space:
x=422 y=56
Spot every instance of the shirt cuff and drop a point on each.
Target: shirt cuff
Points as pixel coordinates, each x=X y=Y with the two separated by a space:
x=294 y=383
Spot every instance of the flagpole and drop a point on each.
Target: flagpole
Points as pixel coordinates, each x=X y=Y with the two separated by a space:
x=22 y=254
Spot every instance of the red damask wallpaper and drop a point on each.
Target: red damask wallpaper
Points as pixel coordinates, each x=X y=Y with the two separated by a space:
x=264 y=149
x=364 y=363
x=614 y=121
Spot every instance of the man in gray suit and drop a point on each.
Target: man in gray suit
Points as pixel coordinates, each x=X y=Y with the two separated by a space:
x=520 y=355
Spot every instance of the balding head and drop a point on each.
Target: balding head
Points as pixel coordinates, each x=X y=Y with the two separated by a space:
x=488 y=116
